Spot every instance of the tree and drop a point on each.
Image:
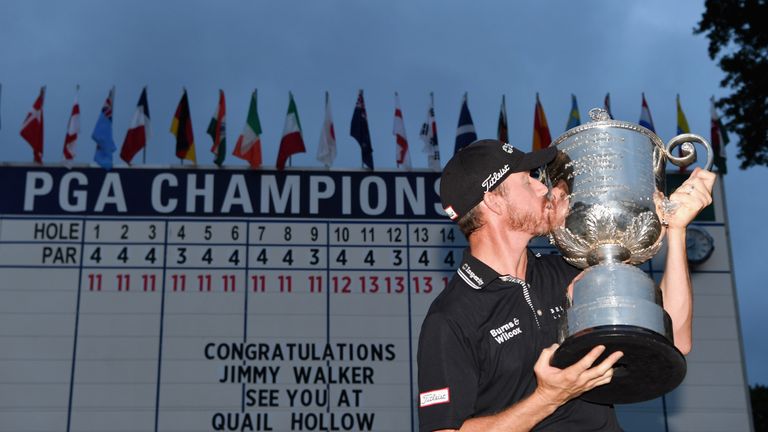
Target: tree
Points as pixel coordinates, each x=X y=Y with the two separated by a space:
x=737 y=32
x=759 y=396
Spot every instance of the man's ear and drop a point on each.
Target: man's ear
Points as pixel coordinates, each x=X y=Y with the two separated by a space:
x=493 y=202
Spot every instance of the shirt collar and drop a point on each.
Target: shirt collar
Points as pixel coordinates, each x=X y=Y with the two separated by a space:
x=478 y=275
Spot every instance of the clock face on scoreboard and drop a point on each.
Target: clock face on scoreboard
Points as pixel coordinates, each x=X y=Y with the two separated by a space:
x=699 y=244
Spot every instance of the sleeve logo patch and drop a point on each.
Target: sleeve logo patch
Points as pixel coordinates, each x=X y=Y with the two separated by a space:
x=434 y=397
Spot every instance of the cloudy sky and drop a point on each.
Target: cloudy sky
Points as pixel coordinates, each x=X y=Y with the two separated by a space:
x=485 y=48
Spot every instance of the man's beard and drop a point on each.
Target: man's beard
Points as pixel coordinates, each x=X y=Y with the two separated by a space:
x=527 y=221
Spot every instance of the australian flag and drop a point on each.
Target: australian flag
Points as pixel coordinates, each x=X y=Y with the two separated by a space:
x=359 y=131
x=465 y=131
x=102 y=134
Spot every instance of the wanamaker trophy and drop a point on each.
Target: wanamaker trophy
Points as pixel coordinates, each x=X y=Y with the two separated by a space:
x=614 y=174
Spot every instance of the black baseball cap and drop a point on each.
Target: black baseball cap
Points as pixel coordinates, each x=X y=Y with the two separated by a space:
x=481 y=167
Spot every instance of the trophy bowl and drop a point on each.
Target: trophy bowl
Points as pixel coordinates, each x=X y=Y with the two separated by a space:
x=613 y=173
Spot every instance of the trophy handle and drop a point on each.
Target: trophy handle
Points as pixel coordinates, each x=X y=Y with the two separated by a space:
x=689 y=151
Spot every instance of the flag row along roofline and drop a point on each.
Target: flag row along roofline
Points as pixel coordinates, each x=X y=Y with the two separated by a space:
x=248 y=146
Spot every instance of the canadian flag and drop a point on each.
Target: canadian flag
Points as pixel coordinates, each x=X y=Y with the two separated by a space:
x=73 y=129
x=402 y=157
x=32 y=128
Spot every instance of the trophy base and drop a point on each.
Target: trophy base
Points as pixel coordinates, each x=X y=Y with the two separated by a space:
x=651 y=365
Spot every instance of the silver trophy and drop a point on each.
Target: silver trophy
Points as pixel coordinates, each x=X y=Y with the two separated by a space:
x=613 y=173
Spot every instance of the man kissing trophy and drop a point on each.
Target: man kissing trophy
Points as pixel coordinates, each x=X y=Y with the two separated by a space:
x=613 y=175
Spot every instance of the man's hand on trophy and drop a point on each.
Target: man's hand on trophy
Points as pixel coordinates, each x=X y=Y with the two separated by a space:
x=688 y=200
x=691 y=197
x=558 y=386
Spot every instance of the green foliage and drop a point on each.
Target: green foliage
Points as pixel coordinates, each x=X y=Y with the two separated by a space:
x=738 y=35
x=759 y=396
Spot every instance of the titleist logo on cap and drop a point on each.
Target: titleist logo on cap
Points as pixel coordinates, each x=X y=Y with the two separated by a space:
x=494 y=177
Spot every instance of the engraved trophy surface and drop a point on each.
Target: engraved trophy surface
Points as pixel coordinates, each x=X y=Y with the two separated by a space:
x=614 y=174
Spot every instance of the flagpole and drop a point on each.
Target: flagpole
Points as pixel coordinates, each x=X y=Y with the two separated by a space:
x=327 y=99
x=183 y=92
x=360 y=96
x=42 y=94
x=325 y=113
x=290 y=98
x=681 y=169
x=144 y=150
x=502 y=116
x=432 y=117
x=77 y=96
x=396 y=106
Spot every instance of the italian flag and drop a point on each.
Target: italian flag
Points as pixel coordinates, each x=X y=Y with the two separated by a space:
x=248 y=145
x=292 y=141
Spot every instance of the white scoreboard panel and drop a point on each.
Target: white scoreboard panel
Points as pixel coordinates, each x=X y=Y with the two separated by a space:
x=193 y=300
x=228 y=300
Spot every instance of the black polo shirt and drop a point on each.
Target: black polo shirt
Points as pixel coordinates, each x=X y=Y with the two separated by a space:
x=480 y=341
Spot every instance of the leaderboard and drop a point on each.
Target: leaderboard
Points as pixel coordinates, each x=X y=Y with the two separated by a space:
x=216 y=300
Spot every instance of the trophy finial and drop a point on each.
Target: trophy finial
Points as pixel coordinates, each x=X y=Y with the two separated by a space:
x=599 y=114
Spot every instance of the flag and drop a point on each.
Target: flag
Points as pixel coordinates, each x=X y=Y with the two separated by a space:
x=73 y=129
x=682 y=122
x=541 y=137
x=248 y=145
x=465 y=131
x=102 y=133
x=502 y=130
x=32 y=127
x=574 y=119
x=359 y=131
x=138 y=132
x=428 y=134
x=326 y=148
x=402 y=157
x=181 y=128
x=292 y=141
x=607 y=104
x=646 y=120
x=217 y=129
x=719 y=138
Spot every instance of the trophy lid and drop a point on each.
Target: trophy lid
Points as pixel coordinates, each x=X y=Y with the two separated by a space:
x=600 y=119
